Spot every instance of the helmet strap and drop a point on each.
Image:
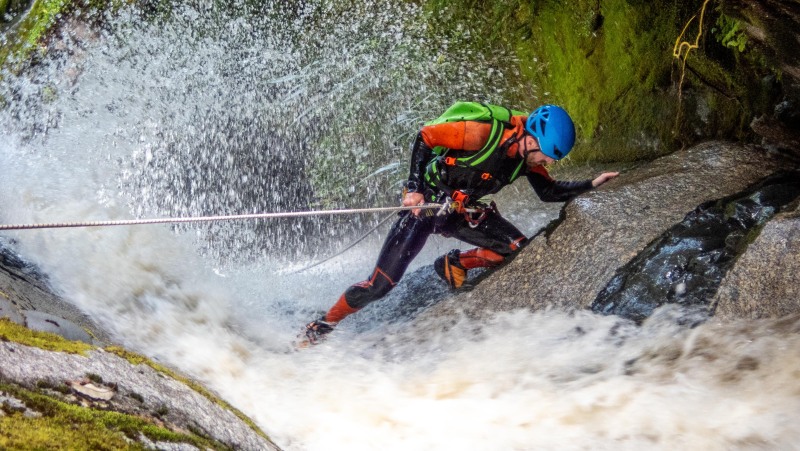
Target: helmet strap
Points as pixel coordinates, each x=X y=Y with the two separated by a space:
x=526 y=151
x=521 y=143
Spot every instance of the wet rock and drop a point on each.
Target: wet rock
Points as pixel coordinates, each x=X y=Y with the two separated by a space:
x=776 y=133
x=9 y=310
x=102 y=380
x=600 y=231
x=765 y=282
x=46 y=322
x=686 y=264
x=85 y=387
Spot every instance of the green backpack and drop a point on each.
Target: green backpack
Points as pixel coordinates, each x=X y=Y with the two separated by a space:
x=498 y=116
x=475 y=111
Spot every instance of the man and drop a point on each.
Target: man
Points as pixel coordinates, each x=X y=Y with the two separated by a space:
x=460 y=162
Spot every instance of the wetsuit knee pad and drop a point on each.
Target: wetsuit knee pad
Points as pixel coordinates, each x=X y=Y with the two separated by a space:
x=480 y=258
x=363 y=293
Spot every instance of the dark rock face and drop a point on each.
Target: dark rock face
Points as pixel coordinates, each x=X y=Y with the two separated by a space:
x=605 y=229
x=27 y=299
x=772 y=30
x=10 y=10
x=686 y=265
x=772 y=26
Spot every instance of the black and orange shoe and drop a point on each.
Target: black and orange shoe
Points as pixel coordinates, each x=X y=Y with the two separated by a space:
x=449 y=268
x=315 y=332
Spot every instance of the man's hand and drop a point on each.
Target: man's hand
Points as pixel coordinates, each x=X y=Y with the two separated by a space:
x=604 y=177
x=412 y=199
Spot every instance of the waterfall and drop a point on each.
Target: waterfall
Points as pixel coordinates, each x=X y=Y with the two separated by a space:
x=260 y=107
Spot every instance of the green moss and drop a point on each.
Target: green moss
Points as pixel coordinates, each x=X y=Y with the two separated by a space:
x=607 y=62
x=608 y=71
x=10 y=331
x=161 y=411
x=94 y=378
x=730 y=33
x=71 y=427
x=49 y=385
x=26 y=39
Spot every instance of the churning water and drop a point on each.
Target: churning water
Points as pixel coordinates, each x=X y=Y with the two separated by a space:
x=203 y=110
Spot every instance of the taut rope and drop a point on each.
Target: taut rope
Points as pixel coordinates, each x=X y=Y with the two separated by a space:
x=295 y=214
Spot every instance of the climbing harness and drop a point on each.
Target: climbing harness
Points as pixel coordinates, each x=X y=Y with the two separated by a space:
x=473 y=215
x=295 y=214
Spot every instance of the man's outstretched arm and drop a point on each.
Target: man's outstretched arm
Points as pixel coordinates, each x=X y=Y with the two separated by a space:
x=551 y=190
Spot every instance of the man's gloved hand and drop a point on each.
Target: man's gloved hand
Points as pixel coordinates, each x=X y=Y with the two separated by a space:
x=411 y=199
x=604 y=177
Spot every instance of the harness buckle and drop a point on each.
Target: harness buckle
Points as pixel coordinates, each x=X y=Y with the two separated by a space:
x=450 y=161
x=486 y=176
x=460 y=197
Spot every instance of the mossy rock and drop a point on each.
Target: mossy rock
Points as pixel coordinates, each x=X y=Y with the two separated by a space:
x=24 y=40
x=48 y=423
x=10 y=331
x=610 y=63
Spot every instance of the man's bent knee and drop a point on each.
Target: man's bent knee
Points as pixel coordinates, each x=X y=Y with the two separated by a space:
x=480 y=258
x=362 y=293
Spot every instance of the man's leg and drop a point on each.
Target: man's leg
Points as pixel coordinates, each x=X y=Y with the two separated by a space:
x=404 y=242
x=495 y=237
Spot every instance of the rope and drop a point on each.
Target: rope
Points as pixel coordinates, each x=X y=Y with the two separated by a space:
x=124 y=222
x=344 y=249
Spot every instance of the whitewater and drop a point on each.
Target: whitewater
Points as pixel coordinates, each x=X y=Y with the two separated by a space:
x=211 y=111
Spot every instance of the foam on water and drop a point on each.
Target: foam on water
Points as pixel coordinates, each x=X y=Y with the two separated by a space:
x=93 y=136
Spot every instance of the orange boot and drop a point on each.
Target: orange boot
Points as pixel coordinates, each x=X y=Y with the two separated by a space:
x=453 y=266
x=449 y=268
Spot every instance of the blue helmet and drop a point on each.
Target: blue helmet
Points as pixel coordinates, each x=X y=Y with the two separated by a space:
x=554 y=130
